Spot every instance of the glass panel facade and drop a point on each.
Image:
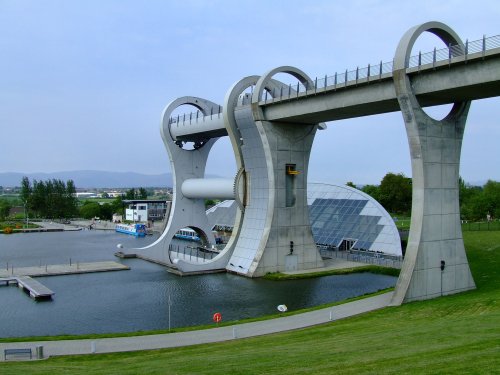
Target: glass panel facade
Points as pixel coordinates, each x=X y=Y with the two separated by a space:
x=336 y=213
x=337 y=219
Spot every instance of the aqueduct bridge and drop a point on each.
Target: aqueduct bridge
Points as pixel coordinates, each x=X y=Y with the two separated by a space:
x=272 y=126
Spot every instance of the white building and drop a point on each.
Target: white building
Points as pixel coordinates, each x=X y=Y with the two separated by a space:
x=146 y=210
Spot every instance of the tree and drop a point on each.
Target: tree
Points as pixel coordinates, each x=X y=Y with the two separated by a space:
x=106 y=211
x=89 y=210
x=59 y=199
x=26 y=190
x=71 y=202
x=117 y=205
x=470 y=200
x=491 y=193
x=372 y=190
x=140 y=193
x=351 y=184
x=5 y=207
x=395 y=193
x=25 y=195
x=130 y=194
x=38 y=199
x=143 y=194
x=479 y=202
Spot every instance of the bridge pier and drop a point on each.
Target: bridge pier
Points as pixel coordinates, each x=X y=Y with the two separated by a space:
x=435 y=262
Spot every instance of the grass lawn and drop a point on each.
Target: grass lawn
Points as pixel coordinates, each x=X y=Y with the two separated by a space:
x=458 y=334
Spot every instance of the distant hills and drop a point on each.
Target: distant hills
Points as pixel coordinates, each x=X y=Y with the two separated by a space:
x=92 y=179
x=102 y=179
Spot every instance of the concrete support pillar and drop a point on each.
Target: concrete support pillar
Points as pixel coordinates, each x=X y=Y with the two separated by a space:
x=275 y=233
x=435 y=263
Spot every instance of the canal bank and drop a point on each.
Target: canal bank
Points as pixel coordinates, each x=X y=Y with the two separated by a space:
x=171 y=340
x=147 y=297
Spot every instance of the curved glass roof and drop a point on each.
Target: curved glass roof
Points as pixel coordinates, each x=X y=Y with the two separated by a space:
x=341 y=217
x=340 y=213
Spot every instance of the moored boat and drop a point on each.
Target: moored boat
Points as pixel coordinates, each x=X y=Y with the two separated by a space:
x=138 y=230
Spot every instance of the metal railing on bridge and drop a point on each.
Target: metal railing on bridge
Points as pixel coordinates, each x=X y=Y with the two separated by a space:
x=196 y=254
x=362 y=256
x=195 y=116
x=381 y=70
x=371 y=72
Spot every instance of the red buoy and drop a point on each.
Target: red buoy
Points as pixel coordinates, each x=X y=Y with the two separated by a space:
x=217 y=317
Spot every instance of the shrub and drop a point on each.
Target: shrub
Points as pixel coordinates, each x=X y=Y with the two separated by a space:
x=8 y=230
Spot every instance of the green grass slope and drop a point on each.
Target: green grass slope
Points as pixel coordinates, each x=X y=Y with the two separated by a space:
x=458 y=334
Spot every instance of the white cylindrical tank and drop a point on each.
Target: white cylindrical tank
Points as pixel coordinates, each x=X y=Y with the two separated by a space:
x=208 y=188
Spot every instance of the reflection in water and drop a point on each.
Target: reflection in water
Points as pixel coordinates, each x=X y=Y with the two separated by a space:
x=138 y=299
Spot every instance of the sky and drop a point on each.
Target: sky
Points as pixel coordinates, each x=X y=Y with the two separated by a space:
x=83 y=83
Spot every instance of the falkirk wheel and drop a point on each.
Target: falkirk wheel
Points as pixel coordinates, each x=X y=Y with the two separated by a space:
x=272 y=229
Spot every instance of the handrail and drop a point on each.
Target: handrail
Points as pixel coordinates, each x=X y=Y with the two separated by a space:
x=372 y=72
x=195 y=116
x=384 y=70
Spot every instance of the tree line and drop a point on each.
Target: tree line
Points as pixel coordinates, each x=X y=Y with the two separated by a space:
x=477 y=203
x=51 y=199
x=55 y=199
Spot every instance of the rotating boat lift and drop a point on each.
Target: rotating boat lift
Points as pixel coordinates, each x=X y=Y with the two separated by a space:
x=272 y=229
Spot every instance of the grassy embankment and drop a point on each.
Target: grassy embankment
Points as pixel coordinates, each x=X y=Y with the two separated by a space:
x=343 y=271
x=454 y=334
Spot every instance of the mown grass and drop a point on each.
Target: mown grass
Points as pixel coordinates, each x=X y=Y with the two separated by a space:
x=458 y=334
x=278 y=276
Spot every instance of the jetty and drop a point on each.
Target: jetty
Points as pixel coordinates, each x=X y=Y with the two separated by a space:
x=35 y=289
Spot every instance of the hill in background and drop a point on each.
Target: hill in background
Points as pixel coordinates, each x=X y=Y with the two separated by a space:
x=92 y=179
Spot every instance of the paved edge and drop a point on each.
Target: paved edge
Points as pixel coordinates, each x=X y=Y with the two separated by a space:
x=65 y=269
x=237 y=331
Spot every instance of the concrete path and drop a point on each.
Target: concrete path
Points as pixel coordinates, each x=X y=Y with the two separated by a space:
x=123 y=344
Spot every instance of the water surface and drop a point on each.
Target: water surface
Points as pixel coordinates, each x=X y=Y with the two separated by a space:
x=136 y=300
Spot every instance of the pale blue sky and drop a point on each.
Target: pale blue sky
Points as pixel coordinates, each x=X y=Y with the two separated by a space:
x=83 y=83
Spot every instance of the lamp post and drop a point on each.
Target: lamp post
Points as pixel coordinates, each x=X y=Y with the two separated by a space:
x=26 y=214
x=169 y=304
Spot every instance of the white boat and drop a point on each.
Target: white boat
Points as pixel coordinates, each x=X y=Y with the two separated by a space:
x=138 y=230
x=187 y=234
